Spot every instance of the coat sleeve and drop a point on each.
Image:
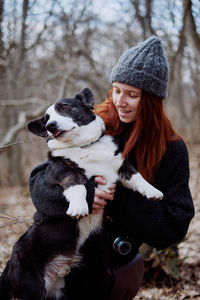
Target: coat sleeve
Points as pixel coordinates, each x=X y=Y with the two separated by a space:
x=165 y=222
x=49 y=200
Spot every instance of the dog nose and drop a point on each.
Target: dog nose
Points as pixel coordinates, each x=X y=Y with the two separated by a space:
x=52 y=126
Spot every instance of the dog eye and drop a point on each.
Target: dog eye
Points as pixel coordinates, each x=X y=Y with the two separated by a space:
x=64 y=108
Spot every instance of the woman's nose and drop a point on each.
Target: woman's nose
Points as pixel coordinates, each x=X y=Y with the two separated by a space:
x=121 y=101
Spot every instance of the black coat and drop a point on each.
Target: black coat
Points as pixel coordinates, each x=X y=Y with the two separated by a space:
x=157 y=223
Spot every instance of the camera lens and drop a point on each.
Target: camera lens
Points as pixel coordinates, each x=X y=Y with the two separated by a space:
x=121 y=246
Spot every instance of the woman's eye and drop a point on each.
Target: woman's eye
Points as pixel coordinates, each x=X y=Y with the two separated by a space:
x=116 y=91
x=132 y=95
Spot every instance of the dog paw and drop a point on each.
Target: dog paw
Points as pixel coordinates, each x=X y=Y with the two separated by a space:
x=154 y=194
x=76 y=196
x=78 y=209
x=139 y=184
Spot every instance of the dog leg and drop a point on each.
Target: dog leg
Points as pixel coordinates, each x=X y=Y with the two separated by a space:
x=132 y=179
x=76 y=196
x=4 y=287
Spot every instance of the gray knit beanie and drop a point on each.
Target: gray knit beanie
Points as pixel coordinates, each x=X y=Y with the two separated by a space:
x=144 y=66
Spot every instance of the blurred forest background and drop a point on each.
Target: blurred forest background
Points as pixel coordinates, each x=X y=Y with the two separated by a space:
x=53 y=48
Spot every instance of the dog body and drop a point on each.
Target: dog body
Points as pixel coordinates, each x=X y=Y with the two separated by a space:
x=79 y=150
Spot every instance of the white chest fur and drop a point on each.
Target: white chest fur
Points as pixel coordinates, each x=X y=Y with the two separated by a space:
x=97 y=159
x=87 y=225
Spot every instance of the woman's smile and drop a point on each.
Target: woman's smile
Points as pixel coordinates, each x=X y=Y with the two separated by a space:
x=124 y=113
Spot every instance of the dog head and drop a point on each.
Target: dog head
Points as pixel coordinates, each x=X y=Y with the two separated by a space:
x=63 y=120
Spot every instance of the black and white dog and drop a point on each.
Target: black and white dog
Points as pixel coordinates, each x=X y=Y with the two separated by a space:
x=44 y=255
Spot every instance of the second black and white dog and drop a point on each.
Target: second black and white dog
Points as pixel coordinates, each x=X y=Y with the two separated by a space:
x=45 y=254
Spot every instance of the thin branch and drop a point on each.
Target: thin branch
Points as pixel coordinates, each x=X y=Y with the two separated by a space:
x=45 y=26
x=21 y=142
x=144 y=20
x=14 y=129
x=17 y=222
x=21 y=124
x=8 y=218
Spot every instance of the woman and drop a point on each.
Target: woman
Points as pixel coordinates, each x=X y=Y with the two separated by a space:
x=134 y=113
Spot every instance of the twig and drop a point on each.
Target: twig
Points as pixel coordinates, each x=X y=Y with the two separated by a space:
x=7 y=215
x=8 y=218
x=16 y=222
x=20 y=142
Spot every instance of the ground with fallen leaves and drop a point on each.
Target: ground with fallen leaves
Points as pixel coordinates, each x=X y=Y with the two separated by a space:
x=16 y=212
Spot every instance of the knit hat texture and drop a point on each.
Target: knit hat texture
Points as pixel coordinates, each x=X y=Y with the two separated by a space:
x=144 y=66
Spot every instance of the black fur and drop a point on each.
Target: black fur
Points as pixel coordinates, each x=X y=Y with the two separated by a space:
x=4 y=284
x=78 y=108
x=65 y=173
x=23 y=275
x=126 y=171
x=81 y=114
x=39 y=127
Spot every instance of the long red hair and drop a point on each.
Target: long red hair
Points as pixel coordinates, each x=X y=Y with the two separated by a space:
x=150 y=133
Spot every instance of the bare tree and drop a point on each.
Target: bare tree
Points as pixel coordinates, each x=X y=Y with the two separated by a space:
x=144 y=19
x=61 y=71
x=17 y=82
x=52 y=50
x=22 y=44
x=1 y=30
x=190 y=29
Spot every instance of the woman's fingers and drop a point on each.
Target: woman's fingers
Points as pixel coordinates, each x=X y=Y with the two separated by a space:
x=112 y=189
x=100 y=180
x=101 y=197
x=99 y=203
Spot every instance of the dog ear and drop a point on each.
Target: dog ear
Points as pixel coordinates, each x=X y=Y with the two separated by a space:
x=86 y=97
x=38 y=127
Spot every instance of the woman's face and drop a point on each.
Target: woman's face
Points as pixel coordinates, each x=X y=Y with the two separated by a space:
x=126 y=99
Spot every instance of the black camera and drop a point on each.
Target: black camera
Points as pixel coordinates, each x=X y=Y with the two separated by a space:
x=122 y=246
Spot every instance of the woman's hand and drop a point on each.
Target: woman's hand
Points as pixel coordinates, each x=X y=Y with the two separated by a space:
x=101 y=197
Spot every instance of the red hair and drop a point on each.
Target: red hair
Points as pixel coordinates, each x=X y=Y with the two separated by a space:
x=150 y=134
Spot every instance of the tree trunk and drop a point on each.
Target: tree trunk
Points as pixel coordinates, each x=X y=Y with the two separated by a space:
x=22 y=46
x=190 y=29
x=1 y=30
